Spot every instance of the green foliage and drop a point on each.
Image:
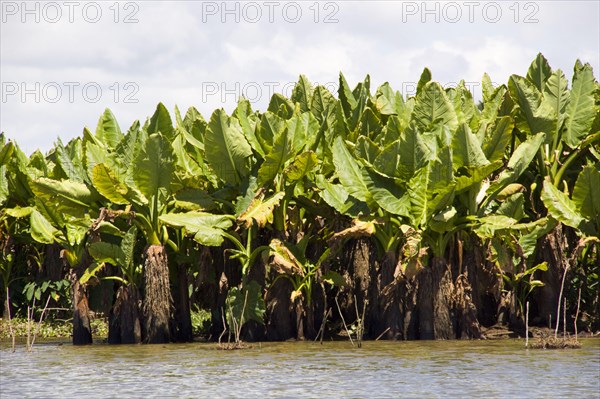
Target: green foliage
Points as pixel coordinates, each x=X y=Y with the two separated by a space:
x=409 y=173
x=245 y=304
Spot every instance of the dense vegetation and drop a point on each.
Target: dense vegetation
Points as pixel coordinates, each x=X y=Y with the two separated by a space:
x=425 y=217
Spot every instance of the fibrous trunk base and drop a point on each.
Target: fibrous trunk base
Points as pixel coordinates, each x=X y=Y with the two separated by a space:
x=157 y=300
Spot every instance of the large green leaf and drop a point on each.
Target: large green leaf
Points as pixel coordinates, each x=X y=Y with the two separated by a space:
x=186 y=164
x=351 y=174
x=302 y=165
x=4 y=193
x=388 y=195
x=70 y=158
x=385 y=100
x=518 y=162
x=108 y=130
x=227 y=150
x=487 y=88
x=346 y=96
x=128 y=245
x=466 y=149
x=206 y=228
x=248 y=122
x=494 y=146
x=556 y=95
x=6 y=152
x=155 y=168
x=430 y=190
x=403 y=157
x=336 y=196
x=301 y=127
x=476 y=177
x=433 y=108
x=539 y=71
x=107 y=252
x=560 y=206
x=586 y=194
x=513 y=207
x=245 y=304
x=193 y=199
x=275 y=159
x=260 y=210
x=63 y=194
x=161 y=122
x=109 y=185
x=423 y=80
x=281 y=106
x=580 y=110
x=322 y=103
x=302 y=93
x=533 y=116
x=41 y=229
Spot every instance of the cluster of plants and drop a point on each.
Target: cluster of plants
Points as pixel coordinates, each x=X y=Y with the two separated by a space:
x=434 y=215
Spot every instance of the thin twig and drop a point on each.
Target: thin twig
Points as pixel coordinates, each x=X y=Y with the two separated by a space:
x=12 y=333
x=577 y=313
x=562 y=285
x=565 y=320
x=321 y=332
x=326 y=312
x=527 y=326
x=28 y=327
x=239 y=331
x=381 y=335
x=224 y=327
x=358 y=323
x=344 y=321
x=40 y=322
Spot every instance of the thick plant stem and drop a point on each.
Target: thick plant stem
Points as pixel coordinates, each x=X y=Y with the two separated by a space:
x=82 y=330
x=157 y=300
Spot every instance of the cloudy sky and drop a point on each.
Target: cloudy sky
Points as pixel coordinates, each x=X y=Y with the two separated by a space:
x=62 y=63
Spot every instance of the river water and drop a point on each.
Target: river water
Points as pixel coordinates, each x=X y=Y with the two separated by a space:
x=419 y=369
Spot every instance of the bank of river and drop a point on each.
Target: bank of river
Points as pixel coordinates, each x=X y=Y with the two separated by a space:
x=443 y=369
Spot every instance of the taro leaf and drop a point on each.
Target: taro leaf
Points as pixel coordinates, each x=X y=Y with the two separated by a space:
x=227 y=150
x=580 y=110
x=513 y=207
x=586 y=193
x=560 y=206
x=245 y=304
x=466 y=149
x=351 y=174
x=494 y=146
x=433 y=108
x=206 y=228
x=302 y=93
x=302 y=165
x=533 y=116
x=161 y=122
x=107 y=184
x=334 y=279
x=260 y=210
x=108 y=130
x=107 y=252
x=155 y=168
x=539 y=71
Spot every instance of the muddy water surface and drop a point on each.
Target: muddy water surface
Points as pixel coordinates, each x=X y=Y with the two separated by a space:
x=486 y=369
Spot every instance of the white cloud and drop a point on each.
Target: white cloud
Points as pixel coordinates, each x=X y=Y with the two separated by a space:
x=176 y=54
